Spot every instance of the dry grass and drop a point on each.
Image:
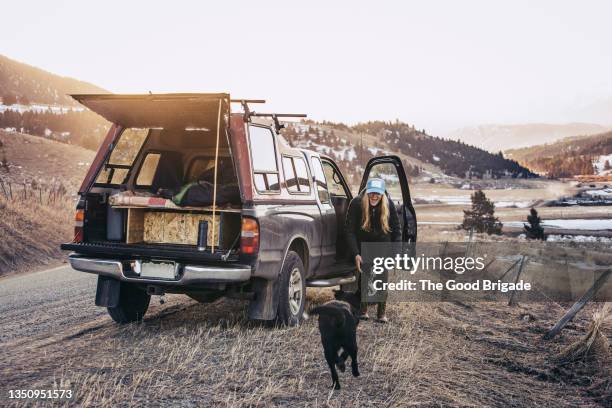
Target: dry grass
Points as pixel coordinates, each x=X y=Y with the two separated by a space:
x=30 y=233
x=431 y=354
x=32 y=228
x=594 y=346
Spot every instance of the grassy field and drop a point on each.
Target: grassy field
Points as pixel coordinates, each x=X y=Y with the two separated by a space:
x=431 y=354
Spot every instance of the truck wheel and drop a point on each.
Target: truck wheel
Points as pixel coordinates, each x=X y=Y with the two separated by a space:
x=133 y=304
x=292 y=287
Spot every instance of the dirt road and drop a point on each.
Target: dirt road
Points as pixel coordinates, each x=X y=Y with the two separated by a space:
x=43 y=303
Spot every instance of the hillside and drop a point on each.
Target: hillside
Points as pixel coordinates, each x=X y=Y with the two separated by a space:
x=494 y=137
x=423 y=155
x=26 y=84
x=36 y=217
x=584 y=155
x=25 y=158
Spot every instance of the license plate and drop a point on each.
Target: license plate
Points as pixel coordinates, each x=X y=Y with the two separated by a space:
x=158 y=270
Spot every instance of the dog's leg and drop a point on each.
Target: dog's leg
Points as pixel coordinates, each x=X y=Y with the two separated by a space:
x=331 y=355
x=340 y=361
x=352 y=350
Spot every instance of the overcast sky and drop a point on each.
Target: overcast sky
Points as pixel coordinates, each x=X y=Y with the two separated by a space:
x=436 y=64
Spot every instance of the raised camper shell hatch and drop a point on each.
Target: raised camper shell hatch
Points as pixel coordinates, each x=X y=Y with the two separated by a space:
x=178 y=110
x=170 y=112
x=164 y=110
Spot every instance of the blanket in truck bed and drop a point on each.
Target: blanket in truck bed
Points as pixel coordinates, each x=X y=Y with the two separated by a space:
x=131 y=199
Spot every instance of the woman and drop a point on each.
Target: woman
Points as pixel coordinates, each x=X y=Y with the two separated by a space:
x=371 y=217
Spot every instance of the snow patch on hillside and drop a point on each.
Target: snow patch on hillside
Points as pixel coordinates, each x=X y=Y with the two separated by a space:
x=600 y=164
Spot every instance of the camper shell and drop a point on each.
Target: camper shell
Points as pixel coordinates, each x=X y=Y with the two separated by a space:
x=186 y=196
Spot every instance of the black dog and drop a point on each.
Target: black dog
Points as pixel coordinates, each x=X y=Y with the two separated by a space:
x=338 y=320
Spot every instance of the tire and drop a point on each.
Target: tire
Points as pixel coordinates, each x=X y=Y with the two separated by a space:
x=292 y=291
x=133 y=304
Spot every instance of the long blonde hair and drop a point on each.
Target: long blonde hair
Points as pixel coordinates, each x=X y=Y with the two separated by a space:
x=384 y=213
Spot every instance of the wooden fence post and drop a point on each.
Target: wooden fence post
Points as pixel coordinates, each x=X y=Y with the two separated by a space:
x=569 y=315
x=509 y=269
x=512 y=302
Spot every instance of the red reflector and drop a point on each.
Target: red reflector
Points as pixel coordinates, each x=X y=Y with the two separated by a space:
x=79 y=217
x=78 y=234
x=249 y=236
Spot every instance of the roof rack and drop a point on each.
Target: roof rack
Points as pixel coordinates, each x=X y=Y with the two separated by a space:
x=275 y=117
x=248 y=113
x=245 y=106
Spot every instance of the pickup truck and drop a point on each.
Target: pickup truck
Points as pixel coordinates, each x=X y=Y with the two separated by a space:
x=266 y=223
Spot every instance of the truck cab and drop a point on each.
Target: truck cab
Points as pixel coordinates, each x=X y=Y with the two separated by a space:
x=186 y=196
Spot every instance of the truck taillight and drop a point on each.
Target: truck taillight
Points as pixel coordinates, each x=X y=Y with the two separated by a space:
x=249 y=236
x=79 y=217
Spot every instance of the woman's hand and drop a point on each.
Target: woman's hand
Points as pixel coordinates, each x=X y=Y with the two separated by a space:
x=358 y=262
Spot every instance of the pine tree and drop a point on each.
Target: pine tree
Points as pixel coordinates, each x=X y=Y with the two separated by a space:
x=607 y=165
x=534 y=229
x=482 y=215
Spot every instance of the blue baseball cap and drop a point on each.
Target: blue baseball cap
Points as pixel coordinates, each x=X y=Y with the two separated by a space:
x=375 y=185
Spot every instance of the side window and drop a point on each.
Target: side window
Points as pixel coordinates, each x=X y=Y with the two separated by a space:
x=336 y=188
x=296 y=174
x=128 y=146
x=319 y=177
x=263 y=157
x=147 y=170
x=302 y=174
x=116 y=168
x=290 y=178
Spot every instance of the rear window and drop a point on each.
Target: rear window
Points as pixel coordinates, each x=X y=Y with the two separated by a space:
x=202 y=168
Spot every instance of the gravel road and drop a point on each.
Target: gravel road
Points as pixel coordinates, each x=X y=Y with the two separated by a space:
x=42 y=303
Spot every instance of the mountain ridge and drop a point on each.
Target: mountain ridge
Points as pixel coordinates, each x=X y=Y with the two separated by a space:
x=501 y=137
x=26 y=84
x=568 y=157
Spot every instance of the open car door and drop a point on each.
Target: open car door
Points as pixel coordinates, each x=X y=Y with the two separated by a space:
x=390 y=169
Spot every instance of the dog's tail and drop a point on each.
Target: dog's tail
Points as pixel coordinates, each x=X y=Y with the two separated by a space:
x=332 y=312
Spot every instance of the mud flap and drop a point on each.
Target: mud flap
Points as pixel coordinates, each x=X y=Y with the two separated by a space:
x=107 y=292
x=264 y=306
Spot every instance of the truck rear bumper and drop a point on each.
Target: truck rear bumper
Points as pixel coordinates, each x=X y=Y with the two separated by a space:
x=190 y=274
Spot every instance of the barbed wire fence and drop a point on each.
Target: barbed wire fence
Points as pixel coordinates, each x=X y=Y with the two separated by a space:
x=33 y=191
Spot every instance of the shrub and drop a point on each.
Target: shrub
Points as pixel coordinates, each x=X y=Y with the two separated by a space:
x=481 y=217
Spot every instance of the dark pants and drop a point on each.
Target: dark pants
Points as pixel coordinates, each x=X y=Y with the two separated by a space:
x=380 y=297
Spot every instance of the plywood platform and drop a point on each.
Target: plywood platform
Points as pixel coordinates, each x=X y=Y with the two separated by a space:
x=174 y=227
